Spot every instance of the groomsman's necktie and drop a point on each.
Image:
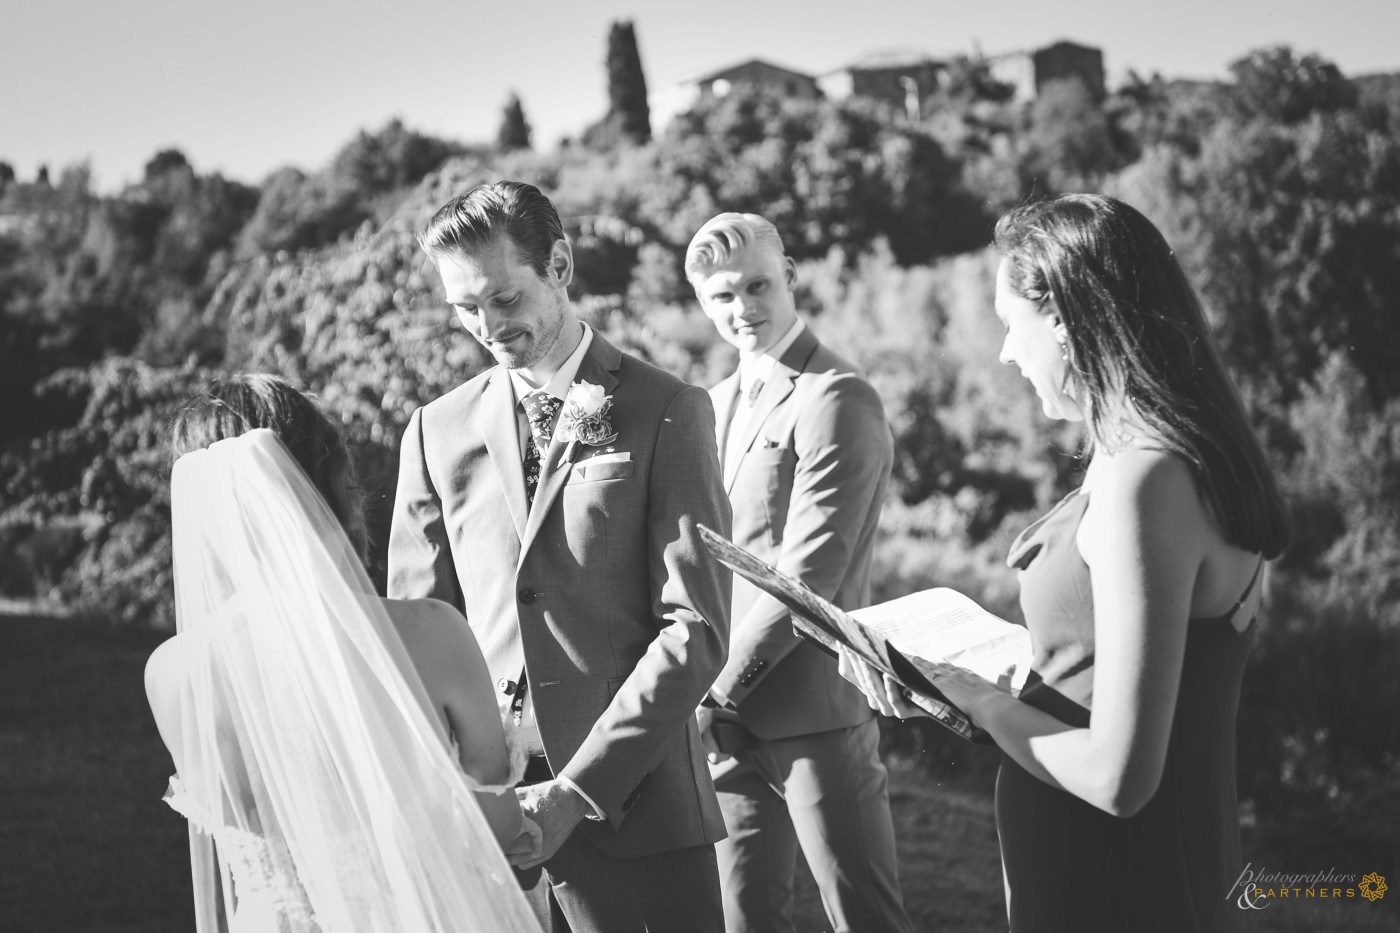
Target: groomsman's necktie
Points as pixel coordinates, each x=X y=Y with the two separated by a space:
x=540 y=409
x=755 y=389
x=738 y=421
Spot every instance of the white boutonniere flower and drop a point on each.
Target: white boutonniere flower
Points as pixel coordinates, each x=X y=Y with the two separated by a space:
x=585 y=416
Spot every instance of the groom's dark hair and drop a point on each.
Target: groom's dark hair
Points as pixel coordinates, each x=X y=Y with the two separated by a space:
x=234 y=405
x=475 y=220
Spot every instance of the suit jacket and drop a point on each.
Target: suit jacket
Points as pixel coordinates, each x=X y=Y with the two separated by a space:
x=807 y=489
x=602 y=590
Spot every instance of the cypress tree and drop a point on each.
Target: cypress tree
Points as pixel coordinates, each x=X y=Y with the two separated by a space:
x=627 y=85
x=515 y=129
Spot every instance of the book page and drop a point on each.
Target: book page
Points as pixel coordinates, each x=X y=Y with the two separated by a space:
x=928 y=624
x=944 y=625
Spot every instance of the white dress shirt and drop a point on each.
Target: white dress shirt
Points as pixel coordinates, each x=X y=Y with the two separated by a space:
x=754 y=367
x=558 y=386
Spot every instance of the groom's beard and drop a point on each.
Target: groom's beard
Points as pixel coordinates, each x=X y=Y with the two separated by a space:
x=533 y=345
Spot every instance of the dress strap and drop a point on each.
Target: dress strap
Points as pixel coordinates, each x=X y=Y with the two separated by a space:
x=1229 y=616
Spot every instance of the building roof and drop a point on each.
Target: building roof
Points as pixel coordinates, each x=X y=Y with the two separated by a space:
x=1024 y=53
x=1066 y=44
x=891 y=58
x=727 y=70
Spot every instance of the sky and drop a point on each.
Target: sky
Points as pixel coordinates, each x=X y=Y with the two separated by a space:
x=246 y=87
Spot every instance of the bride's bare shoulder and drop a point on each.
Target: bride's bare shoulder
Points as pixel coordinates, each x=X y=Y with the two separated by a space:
x=167 y=670
x=426 y=623
x=423 y=613
x=166 y=663
x=441 y=646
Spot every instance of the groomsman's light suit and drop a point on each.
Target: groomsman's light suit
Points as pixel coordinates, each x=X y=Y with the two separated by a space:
x=603 y=592
x=807 y=457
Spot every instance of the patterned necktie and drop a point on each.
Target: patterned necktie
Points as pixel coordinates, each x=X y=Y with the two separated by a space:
x=540 y=409
x=755 y=389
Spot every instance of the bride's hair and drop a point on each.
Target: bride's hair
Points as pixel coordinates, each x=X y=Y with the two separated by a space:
x=234 y=405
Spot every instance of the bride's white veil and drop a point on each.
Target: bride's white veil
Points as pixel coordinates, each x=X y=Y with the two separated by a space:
x=302 y=720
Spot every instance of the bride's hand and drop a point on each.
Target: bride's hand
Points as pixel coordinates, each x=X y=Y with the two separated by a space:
x=526 y=846
x=882 y=693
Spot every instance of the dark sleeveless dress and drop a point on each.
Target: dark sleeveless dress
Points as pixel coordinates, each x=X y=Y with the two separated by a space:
x=1073 y=867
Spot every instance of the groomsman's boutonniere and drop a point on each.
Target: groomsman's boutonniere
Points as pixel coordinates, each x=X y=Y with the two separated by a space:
x=584 y=419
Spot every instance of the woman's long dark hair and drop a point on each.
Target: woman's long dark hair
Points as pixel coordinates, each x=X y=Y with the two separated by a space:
x=1139 y=344
x=234 y=405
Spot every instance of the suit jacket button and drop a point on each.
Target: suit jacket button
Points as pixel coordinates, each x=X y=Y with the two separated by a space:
x=527 y=595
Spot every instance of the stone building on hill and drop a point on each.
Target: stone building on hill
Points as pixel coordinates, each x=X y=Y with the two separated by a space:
x=904 y=79
x=1029 y=72
x=757 y=73
x=690 y=90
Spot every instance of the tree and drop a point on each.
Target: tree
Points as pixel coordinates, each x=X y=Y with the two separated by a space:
x=1301 y=229
x=1343 y=486
x=165 y=162
x=1069 y=143
x=87 y=512
x=825 y=174
x=968 y=79
x=394 y=157
x=1378 y=96
x=515 y=129
x=1146 y=112
x=627 y=85
x=1272 y=83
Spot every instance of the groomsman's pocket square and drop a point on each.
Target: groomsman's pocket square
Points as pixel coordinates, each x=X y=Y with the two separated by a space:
x=765 y=455
x=608 y=466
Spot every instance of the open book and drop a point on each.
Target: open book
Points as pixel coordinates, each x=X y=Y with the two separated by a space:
x=938 y=624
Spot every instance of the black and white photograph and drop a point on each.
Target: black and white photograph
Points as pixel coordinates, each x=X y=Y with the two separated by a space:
x=720 y=468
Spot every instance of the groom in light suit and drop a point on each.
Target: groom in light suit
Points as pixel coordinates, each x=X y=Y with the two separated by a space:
x=567 y=535
x=807 y=456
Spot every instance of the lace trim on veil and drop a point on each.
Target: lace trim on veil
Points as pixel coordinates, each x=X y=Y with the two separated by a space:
x=265 y=885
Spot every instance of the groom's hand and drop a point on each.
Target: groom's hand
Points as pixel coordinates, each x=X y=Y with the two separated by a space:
x=557 y=808
x=704 y=718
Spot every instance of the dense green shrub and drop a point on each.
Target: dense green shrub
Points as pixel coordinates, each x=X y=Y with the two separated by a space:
x=1319 y=741
x=94 y=499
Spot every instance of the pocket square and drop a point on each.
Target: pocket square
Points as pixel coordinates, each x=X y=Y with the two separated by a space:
x=600 y=468
x=768 y=443
x=619 y=457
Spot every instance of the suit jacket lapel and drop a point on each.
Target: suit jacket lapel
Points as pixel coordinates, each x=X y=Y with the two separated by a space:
x=778 y=387
x=597 y=367
x=498 y=426
x=725 y=396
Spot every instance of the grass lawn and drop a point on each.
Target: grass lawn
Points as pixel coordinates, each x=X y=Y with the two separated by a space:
x=85 y=842
x=87 y=845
